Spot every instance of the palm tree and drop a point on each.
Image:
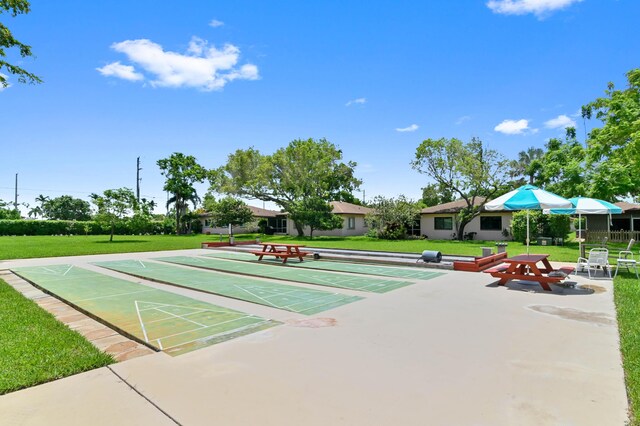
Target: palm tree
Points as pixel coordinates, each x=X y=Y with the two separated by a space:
x=181 y=201
x=528 y=163
x=40 y=210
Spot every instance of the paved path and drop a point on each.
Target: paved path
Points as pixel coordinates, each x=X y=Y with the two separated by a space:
x=452 y=350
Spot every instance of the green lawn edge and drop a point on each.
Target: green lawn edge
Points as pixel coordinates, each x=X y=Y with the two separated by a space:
x=627 y=300
x=36 y=348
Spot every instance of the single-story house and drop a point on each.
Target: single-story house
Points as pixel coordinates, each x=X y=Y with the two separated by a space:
x=439 y=222
x=276 y=220
x=353 y=223
x=622 y=226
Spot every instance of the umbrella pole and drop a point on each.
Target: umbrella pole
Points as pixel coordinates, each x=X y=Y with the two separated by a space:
x=527 y=231
x=580 y=233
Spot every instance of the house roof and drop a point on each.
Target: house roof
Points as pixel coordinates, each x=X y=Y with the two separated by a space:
x=452 y=207
x=257 y=212
x=342 y=207
x=627 y=207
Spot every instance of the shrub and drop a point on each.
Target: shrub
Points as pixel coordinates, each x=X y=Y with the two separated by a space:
x=559 y=225
x=540 y=225
x=71 y=227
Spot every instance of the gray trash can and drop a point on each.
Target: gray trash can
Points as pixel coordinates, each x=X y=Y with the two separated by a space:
x=487 y=251
x=502 y=247
x=431 y=256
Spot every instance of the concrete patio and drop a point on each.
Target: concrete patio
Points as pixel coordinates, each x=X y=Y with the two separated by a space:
x=452 y=350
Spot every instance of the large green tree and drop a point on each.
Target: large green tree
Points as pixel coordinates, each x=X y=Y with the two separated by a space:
x=468 y=170
x=434 y=194
x=181 y=173
x=317 y=214
x=66 y=207
x=562 y=167
x=113 y=205
x=391 y=217
x=614 y=149
x=228 y=211
x=305 y=169
x=8 y=41
x=7 y=211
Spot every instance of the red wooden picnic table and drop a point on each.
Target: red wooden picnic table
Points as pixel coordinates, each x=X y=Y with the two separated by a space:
x=280 y=250
x=525 y=267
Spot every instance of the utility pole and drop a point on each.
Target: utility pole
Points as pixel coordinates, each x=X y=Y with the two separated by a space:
x=15 y=200
x=138 y=179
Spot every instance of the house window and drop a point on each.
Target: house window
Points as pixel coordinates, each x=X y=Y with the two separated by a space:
x=491 y=223
x=445 y=223
x=207 y=222
x=351 y=223
x=413 y=228
x=621 y=224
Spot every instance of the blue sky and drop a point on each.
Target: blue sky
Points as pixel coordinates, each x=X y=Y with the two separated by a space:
x=148 y=78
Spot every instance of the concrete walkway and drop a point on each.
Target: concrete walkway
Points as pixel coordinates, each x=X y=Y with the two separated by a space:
x=452 y=350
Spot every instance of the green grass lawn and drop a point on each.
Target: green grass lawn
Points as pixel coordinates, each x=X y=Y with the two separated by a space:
x=21 y=247
x=36 y=348
x=627 y=299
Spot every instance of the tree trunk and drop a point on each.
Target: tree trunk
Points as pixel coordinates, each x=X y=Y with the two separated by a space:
x=177 y=220
x=461 y=227
x=112 y=226
x=311 y=233
x=300 y=229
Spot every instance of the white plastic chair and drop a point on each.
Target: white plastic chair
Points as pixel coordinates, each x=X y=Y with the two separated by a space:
x=626 y=260
x=598 y=259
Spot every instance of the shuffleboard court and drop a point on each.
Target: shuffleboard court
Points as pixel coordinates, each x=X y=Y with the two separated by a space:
x=323 y=278
x=166 y=321
x=281 y=296
x=329 y=265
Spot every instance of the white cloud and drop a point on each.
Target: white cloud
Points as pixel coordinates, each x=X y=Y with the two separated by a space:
x=514 y=127
x=366 y=168
x=560 y=122
x=539 y=8
x=360 y=101
x=215 y=23
x=125 y=72
x=411 y=128
x=462 y=119
x=202 y=66
x=6 y=79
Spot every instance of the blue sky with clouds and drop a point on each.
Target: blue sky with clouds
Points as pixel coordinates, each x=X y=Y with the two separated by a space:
x=148 y=78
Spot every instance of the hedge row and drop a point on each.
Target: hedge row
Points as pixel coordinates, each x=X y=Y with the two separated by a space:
x=68 y=227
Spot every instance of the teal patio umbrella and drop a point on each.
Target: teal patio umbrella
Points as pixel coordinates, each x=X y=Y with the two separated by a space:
x=585 y=205
x=528 y=197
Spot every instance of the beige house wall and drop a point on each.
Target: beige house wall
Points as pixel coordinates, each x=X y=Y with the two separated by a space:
x=359 y=229
x=244 y=229
x=427 y=227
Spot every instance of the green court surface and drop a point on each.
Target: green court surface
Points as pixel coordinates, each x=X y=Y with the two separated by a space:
x=268 y=270
x=290 y=298
x=328 y=265
x=167 y=321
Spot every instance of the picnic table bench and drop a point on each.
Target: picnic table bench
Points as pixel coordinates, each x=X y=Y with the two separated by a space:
x=525 y=268
x=280 y=251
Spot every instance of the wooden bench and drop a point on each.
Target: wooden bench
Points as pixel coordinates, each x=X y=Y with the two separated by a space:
x=499 y=268
x=480 y=263
x=567 y=270
x=280 y=254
